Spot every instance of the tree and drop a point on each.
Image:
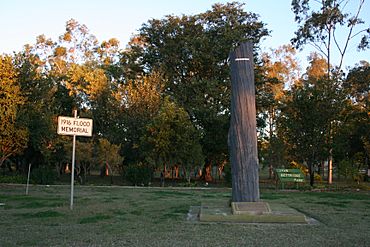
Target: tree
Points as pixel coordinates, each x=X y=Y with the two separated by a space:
x=13 y=136
x=357 y=84
x=84 y=75
x=58 y=152
x=138 y=102
x=352 y=139
x=77 y=44
x=171 y=139
x=38 y=110
x=191 y=52
x=78 y=62
x=85 y=158
x=108 y=154
x=280 y=71
x=321 y=26
x=321 y=22
x=309 y=113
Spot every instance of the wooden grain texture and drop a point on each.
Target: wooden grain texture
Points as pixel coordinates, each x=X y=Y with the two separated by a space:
x=242 y=132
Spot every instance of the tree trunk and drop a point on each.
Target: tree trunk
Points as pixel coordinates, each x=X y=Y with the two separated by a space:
x=311 y=171
x=242 y=132
x=330 y=167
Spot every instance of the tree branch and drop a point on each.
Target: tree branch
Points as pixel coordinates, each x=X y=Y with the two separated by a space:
x=350 y=33
x=361 y=31
x=316 y=46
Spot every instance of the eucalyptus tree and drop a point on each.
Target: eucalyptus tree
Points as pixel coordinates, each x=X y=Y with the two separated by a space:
x=280 y=71
x=353 y=138
x=310 y=117
x=358 y=86
x=304 y=127
x=329 y=28
x=73 y=72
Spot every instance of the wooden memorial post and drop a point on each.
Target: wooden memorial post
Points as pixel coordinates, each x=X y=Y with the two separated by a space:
x=242 y=132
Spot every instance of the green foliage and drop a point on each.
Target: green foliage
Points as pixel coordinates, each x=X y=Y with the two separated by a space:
x=43 y=175
x=357 y=84
x=166 y=98
x=13 y=179
x=140 y=100
x=296 y=165
x=351 y=168
x=138 y=174
x=345 y=168
x=13 y=135
x=273 y=152
x=317 y=177
x=306 y=131
x=351 y=141
x=191 y=52
x=172 y=139
x=227 y=174
x=321 y=21
x=108 y=154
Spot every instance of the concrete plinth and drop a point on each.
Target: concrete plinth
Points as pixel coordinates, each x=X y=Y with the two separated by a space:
x=252 y=208
x=250 y=212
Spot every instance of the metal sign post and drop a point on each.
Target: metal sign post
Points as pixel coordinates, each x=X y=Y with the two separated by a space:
x=73 y=164
x=75 y=127
x=28 y=178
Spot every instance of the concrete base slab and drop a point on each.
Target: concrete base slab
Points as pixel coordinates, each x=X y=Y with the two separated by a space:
x=251 y=213
x=250 y=208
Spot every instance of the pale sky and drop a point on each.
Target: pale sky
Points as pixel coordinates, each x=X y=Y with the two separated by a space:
x=23 y=20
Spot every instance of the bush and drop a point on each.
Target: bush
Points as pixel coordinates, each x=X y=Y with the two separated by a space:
x=296 y=165
x=138 y=174
x=318 y=177
x=43 y=175
x=346 y=169
x=227 y=174
x=187 y=184
x=15 y=179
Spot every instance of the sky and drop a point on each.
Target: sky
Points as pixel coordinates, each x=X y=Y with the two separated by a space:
x=23 y=20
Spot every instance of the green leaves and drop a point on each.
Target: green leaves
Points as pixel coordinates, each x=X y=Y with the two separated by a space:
x=108 y=154
x=172 y=138
x=326 y=26
x=191 y=54
x=13 y=136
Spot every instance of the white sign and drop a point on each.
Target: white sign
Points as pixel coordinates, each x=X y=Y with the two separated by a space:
x=75 y=126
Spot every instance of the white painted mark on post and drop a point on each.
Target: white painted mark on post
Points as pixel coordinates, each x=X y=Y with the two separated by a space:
x=242 y=59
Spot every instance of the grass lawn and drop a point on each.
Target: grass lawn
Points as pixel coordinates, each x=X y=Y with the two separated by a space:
x=124 y=216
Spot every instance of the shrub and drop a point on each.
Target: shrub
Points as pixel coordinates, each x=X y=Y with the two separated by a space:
x=138 y=174
x=43 y=175
x=346 y=169
x=227 y=174
x=318 y=177
x=15 y=179
x=296 y=165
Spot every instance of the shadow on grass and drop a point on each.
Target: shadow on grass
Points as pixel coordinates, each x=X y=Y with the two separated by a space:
x=273 y=196
x=94 y=219
x=340 y=196
x=42 y=214
x=166 y=194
